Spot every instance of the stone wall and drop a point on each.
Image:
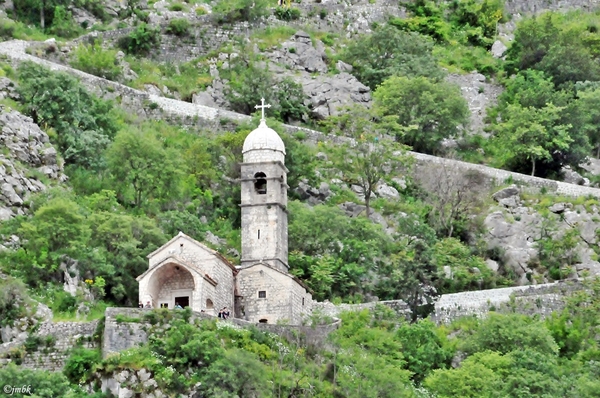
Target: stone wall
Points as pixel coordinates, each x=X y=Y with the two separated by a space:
x=139 y=103
x=56 y=341
x=535 y=299
x=539 y=6
x=131 y=331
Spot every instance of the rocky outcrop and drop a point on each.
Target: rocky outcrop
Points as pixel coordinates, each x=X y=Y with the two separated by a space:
x=27 y=157
x=518 y=227
x=479 y=94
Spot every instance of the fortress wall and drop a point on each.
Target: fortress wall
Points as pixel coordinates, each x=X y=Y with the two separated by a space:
x=55 y=343
x=154 y=107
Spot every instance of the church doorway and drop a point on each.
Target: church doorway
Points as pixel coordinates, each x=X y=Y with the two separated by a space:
x=183 y=301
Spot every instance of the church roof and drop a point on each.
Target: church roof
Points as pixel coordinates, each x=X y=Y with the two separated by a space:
x=293 y=277
x=195 y=242
x=262 y=138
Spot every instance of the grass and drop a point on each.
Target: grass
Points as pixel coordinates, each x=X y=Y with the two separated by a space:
x=96 y=312
x=272 y=36
x=458 y=58
x=17 y=30
x=185 y=79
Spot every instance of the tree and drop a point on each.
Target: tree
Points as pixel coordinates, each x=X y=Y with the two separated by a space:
x=240 y=10
x=532 y=135
x=410 y=275
x=423 y=348
x=387 y=52
x=143 y=170
x=249 y=83
x=510 y=332
x=57 y=230
x=370 y=156
x=84 y=124
x=454 y=196
x=339 y=251
x=587 y=106
x=428 y=111
x=532 y=88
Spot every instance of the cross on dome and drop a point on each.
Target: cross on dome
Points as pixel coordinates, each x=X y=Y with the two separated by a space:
x=262 y=107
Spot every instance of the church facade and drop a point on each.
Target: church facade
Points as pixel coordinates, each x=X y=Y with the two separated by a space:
x=260 y=288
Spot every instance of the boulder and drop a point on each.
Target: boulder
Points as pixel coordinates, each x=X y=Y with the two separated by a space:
x=343 y=67
x=513 y=190
x=557 y=208
x=214 y=239
x=386 y=191
x=571 y=176
x=498 y=49
x=352 y=209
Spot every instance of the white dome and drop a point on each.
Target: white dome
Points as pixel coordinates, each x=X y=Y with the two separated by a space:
x=263 y=138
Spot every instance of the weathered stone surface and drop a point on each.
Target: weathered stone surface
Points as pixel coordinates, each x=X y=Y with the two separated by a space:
x=513 y=190
x=572 y=177
x=352 y=209
x=498 y=49
x=28 y=146
x=479 y=94
x=386 y=191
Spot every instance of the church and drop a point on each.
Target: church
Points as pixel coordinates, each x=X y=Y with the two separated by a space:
x=260 y=289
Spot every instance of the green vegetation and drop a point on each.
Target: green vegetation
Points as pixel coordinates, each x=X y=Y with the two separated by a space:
x=135 y=183
x=141 y=40
x=96 y=60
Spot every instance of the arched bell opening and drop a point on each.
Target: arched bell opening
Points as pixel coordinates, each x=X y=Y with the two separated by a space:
x=260 y=183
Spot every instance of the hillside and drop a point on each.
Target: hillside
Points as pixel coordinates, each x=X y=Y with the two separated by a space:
x=432 y=147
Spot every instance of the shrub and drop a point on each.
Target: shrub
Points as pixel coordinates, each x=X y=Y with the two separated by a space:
x=240 y=10
x=7 y=29
x=177 y=7
x=80 y=364
x=287 y=14
x=178 y=27
x=141 y=40
x=63 y=24
x=201 y=11
x=97 y=61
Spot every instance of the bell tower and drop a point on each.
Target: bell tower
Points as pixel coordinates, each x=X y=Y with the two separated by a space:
x=264 y=198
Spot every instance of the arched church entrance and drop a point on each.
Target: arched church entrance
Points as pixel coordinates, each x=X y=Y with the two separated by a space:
x=172 y=285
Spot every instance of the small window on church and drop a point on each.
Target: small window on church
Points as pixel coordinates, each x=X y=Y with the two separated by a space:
x=259 y=234
x=302 y=300
x=260 y=183
x=262 y=294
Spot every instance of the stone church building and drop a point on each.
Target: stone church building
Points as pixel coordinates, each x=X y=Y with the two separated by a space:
x=260 y=289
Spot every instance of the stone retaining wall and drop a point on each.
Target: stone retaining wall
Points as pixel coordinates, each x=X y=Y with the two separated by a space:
x=64 y=337
x=132 y=330
x=156 y=107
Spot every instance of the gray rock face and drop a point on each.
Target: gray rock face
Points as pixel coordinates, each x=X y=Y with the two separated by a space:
x=385 y=191
x=572 y=177
x=352 y=209
x=479 y=95
x=498 y=49
x=27 y=146
x=313 y=195
x=298 y=53
x=505 y=193
x=327 y=94
x=214 y=239
x=298 y=59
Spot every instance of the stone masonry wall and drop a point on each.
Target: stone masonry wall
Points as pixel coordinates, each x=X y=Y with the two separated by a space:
x=138 y=102
x=535 y=299
x=119 y=336
x=66 y=335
